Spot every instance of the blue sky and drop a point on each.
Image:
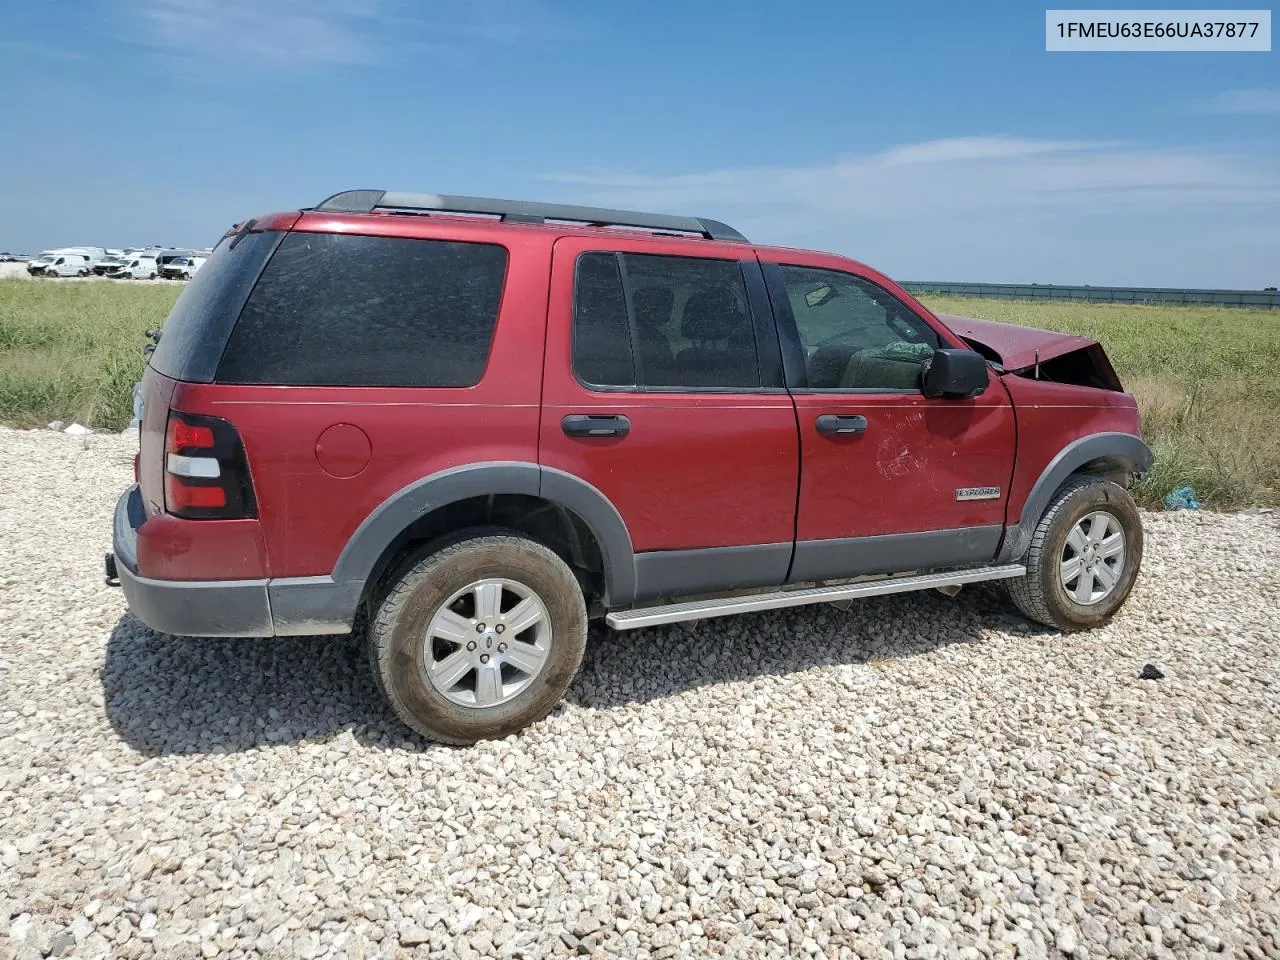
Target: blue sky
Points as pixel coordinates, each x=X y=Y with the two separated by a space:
x=929 y=139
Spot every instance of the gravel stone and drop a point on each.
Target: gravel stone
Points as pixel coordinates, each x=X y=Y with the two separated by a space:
x=915 y=777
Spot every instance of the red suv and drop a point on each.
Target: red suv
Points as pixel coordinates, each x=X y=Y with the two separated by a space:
x=481 y=423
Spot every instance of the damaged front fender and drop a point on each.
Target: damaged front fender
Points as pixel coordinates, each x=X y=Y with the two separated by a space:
x=1039 y=354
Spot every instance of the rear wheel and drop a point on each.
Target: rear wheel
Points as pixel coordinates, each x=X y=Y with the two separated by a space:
x=479 y=638
x=1084 y=556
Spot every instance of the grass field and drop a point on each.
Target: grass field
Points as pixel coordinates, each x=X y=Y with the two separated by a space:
x=1207 y=378
x=73 y=351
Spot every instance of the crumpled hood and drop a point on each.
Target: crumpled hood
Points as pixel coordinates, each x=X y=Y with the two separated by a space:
x=1016 y=346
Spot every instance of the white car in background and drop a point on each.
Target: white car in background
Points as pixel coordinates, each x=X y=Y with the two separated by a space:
x=166 y=257
x=61 y=265
x=181 y=268
x=135 y=268
x=104 y=268
x=36 y=265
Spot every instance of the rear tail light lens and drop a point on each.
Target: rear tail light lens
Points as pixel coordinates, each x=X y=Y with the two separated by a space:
x=206 y=473
x=185 y=500
x=183 y=434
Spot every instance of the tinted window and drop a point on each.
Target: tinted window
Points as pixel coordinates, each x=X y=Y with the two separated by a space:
x=340 y=310
x=663 y=322
x=200 y=322
x=601 y=337
x=856 y=335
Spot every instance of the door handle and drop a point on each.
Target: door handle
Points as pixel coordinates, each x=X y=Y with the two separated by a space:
x=840 y=425
x=595 y=425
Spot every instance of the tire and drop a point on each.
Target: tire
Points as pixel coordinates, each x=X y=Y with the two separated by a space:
x=1048 y=593
x=432 y=616
x=151 y=276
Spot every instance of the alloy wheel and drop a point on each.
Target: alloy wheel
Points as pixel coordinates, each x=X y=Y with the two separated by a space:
x=1093 y=558
x=487 y=643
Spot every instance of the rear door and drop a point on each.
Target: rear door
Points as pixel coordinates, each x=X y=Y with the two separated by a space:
x=891 y=480
x=663 y=389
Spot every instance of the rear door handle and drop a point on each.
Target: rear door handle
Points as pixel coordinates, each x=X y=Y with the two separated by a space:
x=595 y=425
x=840 y=425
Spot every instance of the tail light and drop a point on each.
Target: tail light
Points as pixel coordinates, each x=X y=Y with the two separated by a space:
x=206 y=474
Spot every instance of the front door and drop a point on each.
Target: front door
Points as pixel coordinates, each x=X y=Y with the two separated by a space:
x=891 y=480
x=663 y=389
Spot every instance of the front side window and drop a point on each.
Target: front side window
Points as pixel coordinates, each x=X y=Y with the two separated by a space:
x=662 y=322
x=856 y=335
x=345 y=310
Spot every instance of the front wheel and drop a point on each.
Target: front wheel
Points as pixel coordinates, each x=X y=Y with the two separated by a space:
x=479 y=639
x=1084 y=556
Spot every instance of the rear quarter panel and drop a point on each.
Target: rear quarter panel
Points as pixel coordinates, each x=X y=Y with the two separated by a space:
x=307 y=515
x=171 y=548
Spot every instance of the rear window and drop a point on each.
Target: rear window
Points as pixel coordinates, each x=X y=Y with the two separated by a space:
x=342 y=310
x=200 y=322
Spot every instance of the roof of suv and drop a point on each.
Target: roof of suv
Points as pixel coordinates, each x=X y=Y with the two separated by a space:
x=428 y=215
x=523 y=211
x=351 y=209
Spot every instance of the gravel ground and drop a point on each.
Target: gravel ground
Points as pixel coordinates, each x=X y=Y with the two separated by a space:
x=917 y=777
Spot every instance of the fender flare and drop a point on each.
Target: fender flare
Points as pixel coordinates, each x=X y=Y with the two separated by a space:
x=302 y=606
x=1105 y=452
x=606 y=525
x=365 y=547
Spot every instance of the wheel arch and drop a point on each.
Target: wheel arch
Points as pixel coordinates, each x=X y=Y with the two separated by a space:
x=557 y=508
x=1100 y=454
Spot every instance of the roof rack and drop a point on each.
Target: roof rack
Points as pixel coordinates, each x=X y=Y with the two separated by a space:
x=522 y=211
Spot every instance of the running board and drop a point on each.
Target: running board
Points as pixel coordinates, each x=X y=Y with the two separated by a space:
x=723 y=607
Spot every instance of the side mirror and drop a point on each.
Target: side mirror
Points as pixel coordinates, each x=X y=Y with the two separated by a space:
x=954 y=373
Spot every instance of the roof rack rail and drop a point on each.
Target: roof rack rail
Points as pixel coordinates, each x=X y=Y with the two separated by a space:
x=522 y=211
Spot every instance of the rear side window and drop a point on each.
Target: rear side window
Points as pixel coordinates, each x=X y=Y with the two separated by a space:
x=342 y=310
x=200 y=322
x=602 y=336
x=662 y=322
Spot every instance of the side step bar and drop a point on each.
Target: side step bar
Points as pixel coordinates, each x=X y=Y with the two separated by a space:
x=702 y=609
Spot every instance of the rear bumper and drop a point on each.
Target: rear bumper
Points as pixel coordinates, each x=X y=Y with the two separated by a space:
x=298 y=606
x=200 y=608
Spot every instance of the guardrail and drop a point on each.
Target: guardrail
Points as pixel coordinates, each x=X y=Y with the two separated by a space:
x=1266 y=299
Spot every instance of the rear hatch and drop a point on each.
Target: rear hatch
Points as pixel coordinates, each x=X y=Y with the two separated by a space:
x=194 y=336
